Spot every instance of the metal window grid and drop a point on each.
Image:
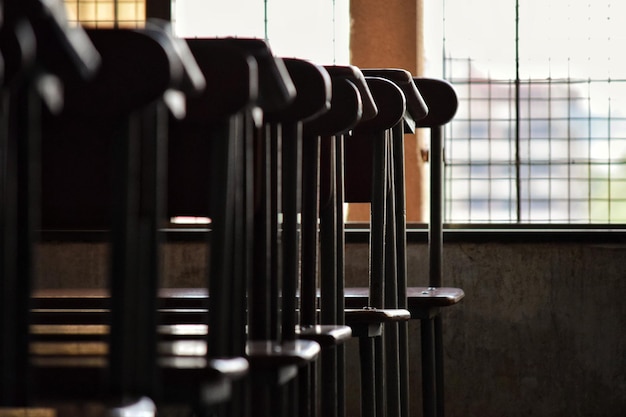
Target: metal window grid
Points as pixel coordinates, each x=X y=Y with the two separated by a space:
x=107 y=13
x=535 y=150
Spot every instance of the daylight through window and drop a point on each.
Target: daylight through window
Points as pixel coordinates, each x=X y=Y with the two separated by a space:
x=540 y=134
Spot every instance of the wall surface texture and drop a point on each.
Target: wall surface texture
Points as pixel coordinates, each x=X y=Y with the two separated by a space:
x=541 y=331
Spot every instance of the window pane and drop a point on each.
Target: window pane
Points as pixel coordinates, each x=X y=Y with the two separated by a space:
x=318 y=31
x=560 y=126
x=107 y=13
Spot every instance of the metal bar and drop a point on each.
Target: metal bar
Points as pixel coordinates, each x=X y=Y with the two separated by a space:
x=292 y=180
x=390 y=334
x=435 y=232
x=379 y=376
x=328 y=378
x=378 y=215
x=439 y=369
x=221 y=240
x=328 y=275
x=273 y=134
x=310 y=196
x=240 y=258
x=401 y=262
x=328 y=237
x=124 y=269
x=341 y=352
x=259 y=318
x=368 y=387
x=429 y=394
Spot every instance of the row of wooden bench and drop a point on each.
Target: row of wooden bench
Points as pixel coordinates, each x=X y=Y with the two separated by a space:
x=148 y=126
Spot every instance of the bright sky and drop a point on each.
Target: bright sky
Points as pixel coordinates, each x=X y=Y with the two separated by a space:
x=314 y=30
x=558 y=37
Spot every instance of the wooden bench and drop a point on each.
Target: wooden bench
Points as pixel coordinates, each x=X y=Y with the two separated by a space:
x=195 y=378
x=29 y=83
x=442 y=103
x=274 y=353
x=366 y=172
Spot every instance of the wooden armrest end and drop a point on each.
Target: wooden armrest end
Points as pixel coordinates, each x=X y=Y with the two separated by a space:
x=268 y=354
x=376 y=315
x=433 y=296
x=325 y=335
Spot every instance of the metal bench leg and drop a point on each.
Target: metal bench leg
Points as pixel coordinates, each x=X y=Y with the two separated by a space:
x=428 y=367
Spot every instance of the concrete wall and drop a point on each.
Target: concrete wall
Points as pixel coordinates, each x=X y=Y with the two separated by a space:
x=541 y=331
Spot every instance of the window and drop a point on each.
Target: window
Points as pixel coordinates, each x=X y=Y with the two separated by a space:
x=540 y=133
x=107 y=13
x=313 y=30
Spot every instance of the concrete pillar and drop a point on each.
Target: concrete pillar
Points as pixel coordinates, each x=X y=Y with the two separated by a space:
x=387 y=34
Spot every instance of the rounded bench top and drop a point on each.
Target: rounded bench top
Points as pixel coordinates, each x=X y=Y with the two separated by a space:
x=345 y=111
x=390 y=102
x=441 y=99
x=231 y=81
x=126 y=79
x=402 y=78
x=354 y=74
x=276 y=89
x=313 y=92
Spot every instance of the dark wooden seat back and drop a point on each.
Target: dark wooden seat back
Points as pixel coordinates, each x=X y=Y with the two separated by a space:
x=416 y=109
x=367 y=173
x=345 y=112
x=102 y=159
x=442 y=102
x=78 y=145
x=24 y=91
x=232 y=87
x=359 y=149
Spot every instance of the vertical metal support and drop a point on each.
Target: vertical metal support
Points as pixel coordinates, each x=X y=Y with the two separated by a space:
x=273 y=134
x=240 y=261
x=341 y=351
x=378 y=215
x=28 y=165
x=8 y=255
x=8 y=232
x=259 y=316
x=222 y=257
x=328 y=276
x=435 y=233
x=20 y=198
x=153 y=182
x=122 y=353
x=291 y=196
x=379 y=375
x=390 y=334
x=304 y=384
x=436 y=263
x=401 y=262
x=139 y=183
x=439 y=388
x=328 y=237
x=429 y=392
x=368 y=387
x=310 y=197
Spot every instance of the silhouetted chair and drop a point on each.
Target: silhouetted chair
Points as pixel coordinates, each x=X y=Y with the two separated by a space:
x=274 y=354
x=28 y=85
x=318 y=199
x=367 y=148
x=312 y=102
x=442 y=102
x=102 y=165
x=424 y=303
